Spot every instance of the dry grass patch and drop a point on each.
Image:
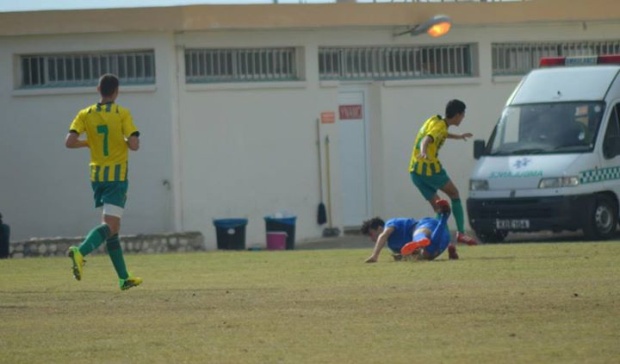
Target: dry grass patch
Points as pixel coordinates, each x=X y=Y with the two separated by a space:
x=517 y=303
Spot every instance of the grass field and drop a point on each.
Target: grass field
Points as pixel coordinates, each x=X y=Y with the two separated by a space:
x=510 y=303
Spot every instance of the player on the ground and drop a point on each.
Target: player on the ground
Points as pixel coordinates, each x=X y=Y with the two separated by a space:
x=425 y=239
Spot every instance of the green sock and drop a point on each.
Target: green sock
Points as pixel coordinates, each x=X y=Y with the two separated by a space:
x=457 y=210
x=94 y=239
x=116 y=255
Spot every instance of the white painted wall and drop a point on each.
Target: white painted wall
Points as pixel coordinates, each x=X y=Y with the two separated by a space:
x=245 y=150
x=44 y=187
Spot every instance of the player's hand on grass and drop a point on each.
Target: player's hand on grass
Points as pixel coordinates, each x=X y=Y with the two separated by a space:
x=371 y=259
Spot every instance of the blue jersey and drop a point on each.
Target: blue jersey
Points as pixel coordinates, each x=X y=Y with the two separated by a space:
x=405 y=227
x=402 y=234
x=440 y=235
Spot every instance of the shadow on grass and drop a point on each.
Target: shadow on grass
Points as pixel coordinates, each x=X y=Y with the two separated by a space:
x=550 y=237
x=356 y=241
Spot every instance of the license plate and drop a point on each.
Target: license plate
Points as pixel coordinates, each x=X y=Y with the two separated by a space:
x=512 y=224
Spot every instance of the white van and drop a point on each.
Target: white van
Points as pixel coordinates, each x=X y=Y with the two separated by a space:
x=553 y=159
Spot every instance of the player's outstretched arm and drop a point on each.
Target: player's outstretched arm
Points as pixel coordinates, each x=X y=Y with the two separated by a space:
x=381 y=241
x=463 y=136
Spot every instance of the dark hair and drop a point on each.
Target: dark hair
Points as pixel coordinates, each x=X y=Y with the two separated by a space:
x=454 y=107
x=108 y=84
x=373 y=224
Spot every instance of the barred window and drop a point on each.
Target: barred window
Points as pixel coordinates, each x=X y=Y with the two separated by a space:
x=386 y=63
x=84 y=69
x=240 y=65
x=519 y=58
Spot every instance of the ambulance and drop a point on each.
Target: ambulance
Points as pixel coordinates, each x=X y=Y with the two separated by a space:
x=552 y=162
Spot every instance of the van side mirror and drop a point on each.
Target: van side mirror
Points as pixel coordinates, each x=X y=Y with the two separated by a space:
x=479 y=148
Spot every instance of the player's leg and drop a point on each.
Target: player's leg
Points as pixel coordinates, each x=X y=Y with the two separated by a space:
x=413 y=246
x=430 y=235
x=113 y=212
x=93 y=240
x=440 y=241
x=443 y=219
x=427 y=188
x=421 y=238
x=115 y=251
x=459 y=216
x=112 y=215
x=440 y=238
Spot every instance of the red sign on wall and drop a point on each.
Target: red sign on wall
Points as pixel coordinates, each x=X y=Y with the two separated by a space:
x=350 y=112
x=328 y=117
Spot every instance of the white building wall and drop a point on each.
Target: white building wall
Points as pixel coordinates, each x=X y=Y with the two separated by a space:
x=44 y=187
x=249 y=150
x=244 y=150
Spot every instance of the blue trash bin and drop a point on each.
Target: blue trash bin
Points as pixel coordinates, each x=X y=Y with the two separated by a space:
x=286 y=224
x=230 y=233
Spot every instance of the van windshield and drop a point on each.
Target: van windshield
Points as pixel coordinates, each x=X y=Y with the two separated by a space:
x=547 y=128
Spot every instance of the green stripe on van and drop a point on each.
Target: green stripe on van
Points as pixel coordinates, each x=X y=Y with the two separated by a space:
x=599 y=175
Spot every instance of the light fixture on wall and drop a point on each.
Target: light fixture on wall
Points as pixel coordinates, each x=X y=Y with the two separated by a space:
x=435 y=27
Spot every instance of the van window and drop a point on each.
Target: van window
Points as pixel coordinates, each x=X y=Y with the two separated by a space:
x=547 y=128
x=611 y=145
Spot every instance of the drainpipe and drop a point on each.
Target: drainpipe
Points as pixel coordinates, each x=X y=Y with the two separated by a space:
x=177 y=195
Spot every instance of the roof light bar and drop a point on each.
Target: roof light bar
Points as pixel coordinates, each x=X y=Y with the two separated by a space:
x=579 y=60
x=552 y=61
x=609 y=59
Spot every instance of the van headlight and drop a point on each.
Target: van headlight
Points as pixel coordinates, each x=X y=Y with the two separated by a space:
x=478 y=185
x=557 y=182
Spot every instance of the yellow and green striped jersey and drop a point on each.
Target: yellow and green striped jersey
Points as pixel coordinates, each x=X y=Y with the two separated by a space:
x=437 y=128
x=107 y=127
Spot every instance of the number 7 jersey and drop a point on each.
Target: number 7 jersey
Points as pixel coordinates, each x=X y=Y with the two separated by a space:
x=107 y=127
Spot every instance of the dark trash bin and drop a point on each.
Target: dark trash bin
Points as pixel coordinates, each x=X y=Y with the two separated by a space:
x=5 y=237
x=285 y=224
x=230 y=233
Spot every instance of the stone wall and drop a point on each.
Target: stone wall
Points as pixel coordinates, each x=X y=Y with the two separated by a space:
x=152 y=243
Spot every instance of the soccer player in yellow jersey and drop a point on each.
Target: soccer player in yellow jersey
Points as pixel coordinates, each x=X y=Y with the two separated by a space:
x=427 y=173
x=110 y=134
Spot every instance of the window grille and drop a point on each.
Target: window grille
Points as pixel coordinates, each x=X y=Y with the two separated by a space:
x=84 y=69
x=519 y=58
x=390 y=63
x=240 y=65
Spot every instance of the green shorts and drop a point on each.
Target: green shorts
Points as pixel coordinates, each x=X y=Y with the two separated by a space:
x=429 y=185
x=113 y=193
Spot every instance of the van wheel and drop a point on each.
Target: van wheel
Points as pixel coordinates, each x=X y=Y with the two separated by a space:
x=492 y=236
x=601 y=219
